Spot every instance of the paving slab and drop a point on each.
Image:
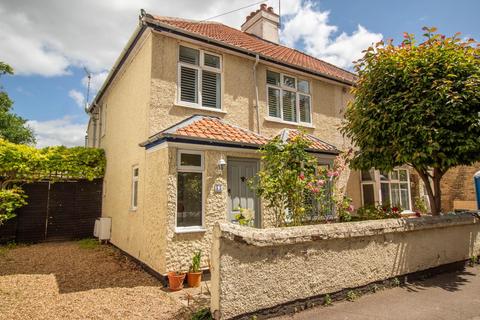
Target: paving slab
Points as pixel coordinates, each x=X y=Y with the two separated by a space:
x=448 y=296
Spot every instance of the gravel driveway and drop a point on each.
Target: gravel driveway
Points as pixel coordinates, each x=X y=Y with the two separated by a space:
x=66 y=281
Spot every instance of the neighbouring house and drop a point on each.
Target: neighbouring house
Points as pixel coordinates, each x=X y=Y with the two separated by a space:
x=458 y=189
x=181 y=117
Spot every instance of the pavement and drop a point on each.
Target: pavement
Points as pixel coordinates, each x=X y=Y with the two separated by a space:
x=448 y=296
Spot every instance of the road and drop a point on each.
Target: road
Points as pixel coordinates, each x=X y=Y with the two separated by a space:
x=444 y=297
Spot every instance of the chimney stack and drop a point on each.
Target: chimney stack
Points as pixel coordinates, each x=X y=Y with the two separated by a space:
x=263 y=23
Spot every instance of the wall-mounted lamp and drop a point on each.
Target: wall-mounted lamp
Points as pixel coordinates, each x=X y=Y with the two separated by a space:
x=221 y=164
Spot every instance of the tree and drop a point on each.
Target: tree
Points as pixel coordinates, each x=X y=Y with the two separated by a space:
x=417 y=104
x=12 y=127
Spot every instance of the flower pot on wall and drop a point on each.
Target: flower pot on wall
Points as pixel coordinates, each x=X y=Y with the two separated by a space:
x=175 y=281
x=194 y=279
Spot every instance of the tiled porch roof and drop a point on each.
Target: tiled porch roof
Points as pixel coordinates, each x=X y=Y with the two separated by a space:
x=208 y=128
x=316 y=143
x=213 y=130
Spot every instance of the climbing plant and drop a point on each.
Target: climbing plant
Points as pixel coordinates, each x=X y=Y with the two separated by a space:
x=294 y=186
x=21 y=164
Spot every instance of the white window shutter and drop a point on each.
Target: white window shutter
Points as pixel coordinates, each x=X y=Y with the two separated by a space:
x=188 y=84
x=210 y=89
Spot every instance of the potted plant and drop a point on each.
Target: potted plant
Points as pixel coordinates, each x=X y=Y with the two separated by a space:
x=175 y=280
x=194 y=276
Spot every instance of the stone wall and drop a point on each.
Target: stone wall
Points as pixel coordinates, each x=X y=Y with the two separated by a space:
x=256 y=269
x=458 y=188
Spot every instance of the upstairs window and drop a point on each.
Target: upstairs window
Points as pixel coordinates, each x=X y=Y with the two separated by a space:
x=288 y=98
x=199 y=78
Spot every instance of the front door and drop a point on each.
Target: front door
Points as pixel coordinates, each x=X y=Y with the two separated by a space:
x=240 y=196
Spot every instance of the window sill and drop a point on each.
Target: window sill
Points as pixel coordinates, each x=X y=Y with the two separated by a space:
x=298 y=124
x=183 y=105
x=190 y=230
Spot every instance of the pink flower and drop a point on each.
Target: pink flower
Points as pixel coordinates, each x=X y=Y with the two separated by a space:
x=332 y=173
x=350 y=208
x=321 y=182
x=315 y=190
x=301 y=176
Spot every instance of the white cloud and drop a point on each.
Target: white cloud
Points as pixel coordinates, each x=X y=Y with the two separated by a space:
x=78 y=97
x=48 y=37
x=310 y=27
x=58 y=132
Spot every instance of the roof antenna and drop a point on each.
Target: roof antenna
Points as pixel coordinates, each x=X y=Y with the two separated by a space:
x=89 y=77
x=279 y=16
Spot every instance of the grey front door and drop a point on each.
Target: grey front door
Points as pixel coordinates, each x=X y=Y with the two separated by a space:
x=239 y=172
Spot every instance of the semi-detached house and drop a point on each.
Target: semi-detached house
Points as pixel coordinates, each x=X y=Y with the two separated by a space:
x=181 y=117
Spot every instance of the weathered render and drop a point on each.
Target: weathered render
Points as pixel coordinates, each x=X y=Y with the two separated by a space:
x=141 y=101
x=255 y=269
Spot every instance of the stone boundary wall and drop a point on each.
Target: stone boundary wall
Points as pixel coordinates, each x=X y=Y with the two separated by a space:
x=258 y=269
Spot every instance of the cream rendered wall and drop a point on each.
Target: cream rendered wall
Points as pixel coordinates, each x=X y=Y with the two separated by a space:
x=255 y=269
x=128 y=98
x=181 y=246
x=328 y=100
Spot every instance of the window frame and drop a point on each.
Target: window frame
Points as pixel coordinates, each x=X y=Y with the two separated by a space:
x=200 y=68
x=134 y=206
x=376 y=182
x=282 y=87
x=193 y=169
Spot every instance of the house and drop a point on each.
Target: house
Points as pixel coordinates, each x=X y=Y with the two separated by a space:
x=181 y=117
x=458 y=189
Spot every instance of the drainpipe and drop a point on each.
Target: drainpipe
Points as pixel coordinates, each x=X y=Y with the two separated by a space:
x=256 y=91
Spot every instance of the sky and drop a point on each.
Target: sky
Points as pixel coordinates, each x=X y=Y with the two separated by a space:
x=50 y=42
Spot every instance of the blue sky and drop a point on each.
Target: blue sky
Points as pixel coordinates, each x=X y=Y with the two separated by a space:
x=52 y=41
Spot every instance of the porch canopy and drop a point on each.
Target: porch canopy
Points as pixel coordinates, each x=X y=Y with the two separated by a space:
x=210 y=130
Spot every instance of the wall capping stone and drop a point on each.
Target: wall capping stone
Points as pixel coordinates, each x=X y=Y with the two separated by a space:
x=294 y=235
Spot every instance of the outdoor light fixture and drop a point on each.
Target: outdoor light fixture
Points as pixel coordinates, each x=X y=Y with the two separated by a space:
x=221 y=164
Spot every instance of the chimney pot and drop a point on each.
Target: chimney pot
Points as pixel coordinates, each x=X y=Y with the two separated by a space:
x=263 y=23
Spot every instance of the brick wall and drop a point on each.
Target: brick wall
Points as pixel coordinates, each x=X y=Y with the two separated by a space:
x=457 y=185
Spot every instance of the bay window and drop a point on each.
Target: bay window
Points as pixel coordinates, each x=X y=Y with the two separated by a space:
x=189 y=190
x=288 y=98
x=387 y=188
x=199 y=78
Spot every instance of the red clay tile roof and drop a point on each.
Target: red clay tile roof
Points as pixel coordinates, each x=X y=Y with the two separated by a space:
x=316 y=143
x=210 y=128
x=242 y=40
x=213 y=129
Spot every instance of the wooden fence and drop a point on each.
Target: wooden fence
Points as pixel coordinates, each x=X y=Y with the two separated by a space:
x=55 y=211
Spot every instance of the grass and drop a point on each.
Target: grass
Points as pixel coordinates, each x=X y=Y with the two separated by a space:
x=5 y=248
x=88 y=243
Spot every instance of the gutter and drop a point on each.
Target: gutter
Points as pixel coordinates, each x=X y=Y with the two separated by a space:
x=152 y=142
x=162 y=27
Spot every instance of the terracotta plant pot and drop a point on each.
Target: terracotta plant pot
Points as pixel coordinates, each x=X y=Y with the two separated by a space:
x=175 y=281
x=194 y=279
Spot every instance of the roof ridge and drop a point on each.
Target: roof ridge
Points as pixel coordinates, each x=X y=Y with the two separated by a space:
x=278 y=45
